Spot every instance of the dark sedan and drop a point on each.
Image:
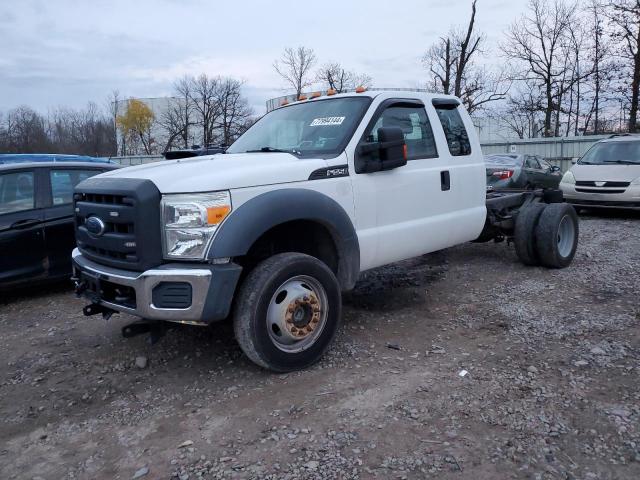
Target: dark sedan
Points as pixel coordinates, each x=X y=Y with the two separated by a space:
x=36 y=219
x=505 y=171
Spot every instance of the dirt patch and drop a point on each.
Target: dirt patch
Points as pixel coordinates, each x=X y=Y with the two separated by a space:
x=552 y=387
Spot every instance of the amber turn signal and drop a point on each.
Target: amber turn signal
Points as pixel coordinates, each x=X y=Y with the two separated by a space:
x=215 y=215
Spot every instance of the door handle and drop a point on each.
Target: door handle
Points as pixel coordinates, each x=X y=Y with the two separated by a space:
x=30 y=222
x=445 y=181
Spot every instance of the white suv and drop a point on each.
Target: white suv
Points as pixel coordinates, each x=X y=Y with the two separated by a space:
x=608 y=175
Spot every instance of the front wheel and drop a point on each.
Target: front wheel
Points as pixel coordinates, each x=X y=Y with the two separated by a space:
x=287 y=312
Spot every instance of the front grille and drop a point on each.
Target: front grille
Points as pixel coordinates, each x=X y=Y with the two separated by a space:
x=598 y=190
x=129 y=210
x=583 y=183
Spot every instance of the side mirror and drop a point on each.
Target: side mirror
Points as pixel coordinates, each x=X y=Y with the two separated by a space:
x=389 y=152
x=555 y=168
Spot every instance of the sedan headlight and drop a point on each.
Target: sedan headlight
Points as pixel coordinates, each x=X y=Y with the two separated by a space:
x=568 y=178
x=190 y=222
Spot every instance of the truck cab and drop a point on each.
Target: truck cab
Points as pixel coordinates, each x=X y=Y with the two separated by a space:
x=274 y=229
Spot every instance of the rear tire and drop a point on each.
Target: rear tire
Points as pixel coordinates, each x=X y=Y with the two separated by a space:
x=557 y=235
x=524 y=235
x=287 y=312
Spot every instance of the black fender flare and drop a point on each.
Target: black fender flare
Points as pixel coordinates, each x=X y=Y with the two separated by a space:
x=255 y=217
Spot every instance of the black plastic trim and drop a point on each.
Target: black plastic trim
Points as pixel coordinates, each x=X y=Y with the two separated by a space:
x=224 y=279
x=445 y=103
x=143 y=203
x=255 y=217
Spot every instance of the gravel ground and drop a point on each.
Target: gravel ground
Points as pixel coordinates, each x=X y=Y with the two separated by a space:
x=551 y=390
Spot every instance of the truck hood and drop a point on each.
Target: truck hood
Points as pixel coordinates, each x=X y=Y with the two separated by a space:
x=606 y=173
x=222 y=171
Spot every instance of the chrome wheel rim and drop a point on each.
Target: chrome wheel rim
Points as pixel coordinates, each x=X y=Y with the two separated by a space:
x=297 y=314
x=566 y=236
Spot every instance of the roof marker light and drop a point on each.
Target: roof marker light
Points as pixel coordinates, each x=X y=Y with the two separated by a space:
x=331 y=91
x=316 y=94
x=284 y=102
x=361 y=89
x=302 y=98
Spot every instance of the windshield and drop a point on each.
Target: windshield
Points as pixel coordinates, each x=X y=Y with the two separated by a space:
x=625 y=153
x=320 y=128
x=513 y=160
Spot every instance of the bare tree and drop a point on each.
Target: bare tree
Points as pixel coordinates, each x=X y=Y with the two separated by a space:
x=335 y=77
x=178 y=117
x=203 y=94
x=113 y=103
x=624 y=15
x=521 y=112
x=85 y=132
x=535 y=43
x=295 y=67
x=234 y=109
x=452 y=63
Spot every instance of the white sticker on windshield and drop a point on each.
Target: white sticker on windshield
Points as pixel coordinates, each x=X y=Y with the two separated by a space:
x=326 y=121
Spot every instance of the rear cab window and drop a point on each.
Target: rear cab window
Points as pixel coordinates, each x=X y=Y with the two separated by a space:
x=17 y=192
x=453 y=126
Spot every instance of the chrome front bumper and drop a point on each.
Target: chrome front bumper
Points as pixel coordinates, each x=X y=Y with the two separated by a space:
x=212 y=289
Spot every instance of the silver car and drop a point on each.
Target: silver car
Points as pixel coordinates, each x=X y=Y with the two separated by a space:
x=608 y=175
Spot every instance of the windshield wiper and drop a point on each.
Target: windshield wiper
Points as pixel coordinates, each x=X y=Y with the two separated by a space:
x=273 y=150
x=622 y=162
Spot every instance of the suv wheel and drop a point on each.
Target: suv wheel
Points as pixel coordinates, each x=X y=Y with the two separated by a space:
x=287 y=312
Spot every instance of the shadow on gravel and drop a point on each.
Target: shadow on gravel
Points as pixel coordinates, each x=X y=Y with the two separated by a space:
x=34 y=292
x=399 y=285
x=610 y=213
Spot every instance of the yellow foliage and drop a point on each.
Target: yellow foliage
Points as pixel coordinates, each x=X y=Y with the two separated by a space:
x=137 y=119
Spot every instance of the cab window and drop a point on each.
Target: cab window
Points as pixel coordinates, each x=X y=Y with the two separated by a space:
x=415 y=125
x=454 y=130
x=64 y=181
x=16 y=192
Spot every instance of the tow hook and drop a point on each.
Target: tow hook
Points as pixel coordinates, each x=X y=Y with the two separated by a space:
x=156 y=330
x=80 y=287
x=96 y=308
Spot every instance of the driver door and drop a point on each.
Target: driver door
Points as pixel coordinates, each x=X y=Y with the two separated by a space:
x=395 y=209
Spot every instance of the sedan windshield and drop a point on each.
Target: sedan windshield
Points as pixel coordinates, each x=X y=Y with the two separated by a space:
x=320 y=128
x=623 y=153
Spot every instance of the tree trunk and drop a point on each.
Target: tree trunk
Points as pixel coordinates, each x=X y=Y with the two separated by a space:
x=548 y=112
x=635 y=91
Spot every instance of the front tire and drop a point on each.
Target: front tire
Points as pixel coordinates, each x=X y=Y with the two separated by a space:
x=287 y=312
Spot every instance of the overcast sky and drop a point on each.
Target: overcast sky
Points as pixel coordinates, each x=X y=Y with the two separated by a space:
x=69 y=52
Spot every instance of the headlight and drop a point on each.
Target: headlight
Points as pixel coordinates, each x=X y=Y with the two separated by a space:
x=568 y=178
x=190 y=222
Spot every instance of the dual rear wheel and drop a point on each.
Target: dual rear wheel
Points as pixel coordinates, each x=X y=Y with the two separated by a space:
x=547 y=234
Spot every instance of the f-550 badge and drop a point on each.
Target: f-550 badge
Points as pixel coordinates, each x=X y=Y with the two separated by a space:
x=330 y=172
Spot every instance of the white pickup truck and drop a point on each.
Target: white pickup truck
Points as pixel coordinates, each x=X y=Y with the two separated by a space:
x=273 y=230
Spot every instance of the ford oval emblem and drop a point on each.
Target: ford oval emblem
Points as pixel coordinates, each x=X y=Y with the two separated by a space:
x=95 y=226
